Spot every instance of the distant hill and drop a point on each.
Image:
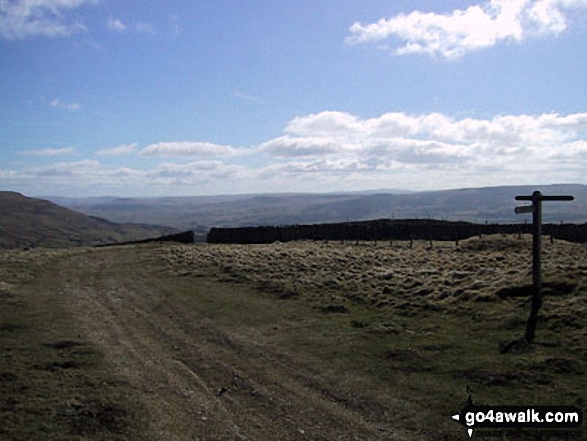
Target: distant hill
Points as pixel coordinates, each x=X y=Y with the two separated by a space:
x=200 y=213
x=30 y=222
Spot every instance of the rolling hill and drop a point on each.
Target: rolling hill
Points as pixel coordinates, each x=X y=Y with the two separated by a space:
x=200 y=213
x=30 y=222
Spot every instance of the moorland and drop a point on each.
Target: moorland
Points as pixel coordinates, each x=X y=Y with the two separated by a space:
x=303 y=340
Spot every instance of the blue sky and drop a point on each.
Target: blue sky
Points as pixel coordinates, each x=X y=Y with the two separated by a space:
x=129 y=98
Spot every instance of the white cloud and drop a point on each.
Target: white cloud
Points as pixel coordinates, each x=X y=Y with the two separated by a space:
x=170 y=170
x=187 y=148
x=20 y=19
x=85 y=172
x=250 y=98
x=116 y=25
x=415 y=151
x=325 y=124
x=175 y=25
x=504 y=146
x=65 y=169
x=145 y=28
x=319 y=166
x=197 y=174
x=65 y=106
x=452 y=35
x=287 y=146
x=50 y=152
x=125 y=149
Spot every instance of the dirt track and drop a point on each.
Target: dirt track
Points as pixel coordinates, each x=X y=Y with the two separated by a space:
x=200 y=381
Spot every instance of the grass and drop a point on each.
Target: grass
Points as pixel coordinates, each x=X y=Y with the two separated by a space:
x=395 y=334
x=421 y=324
x=53 y=384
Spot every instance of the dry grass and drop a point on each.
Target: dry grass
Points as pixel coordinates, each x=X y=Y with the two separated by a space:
x=389 y=276
x=433 y=317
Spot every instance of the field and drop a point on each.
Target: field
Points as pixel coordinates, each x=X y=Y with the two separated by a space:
x=285 y=341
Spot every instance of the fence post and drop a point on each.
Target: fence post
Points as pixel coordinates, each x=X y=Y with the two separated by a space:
x=456 y=230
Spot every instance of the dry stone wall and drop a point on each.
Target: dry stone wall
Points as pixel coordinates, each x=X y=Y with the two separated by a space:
x=386 y=229
x=185 y=237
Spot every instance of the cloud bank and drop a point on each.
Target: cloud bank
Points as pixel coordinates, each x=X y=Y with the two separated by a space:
x=454 y=34
x=334 y=151
x=424 y=151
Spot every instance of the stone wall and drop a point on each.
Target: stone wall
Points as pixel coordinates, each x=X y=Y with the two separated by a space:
x=185 y=237
x=386 y=229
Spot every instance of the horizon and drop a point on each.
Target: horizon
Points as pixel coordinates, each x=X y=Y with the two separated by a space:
x=211 y=99
x=308 y=193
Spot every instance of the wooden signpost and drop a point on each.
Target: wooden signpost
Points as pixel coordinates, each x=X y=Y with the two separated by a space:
x=536 y=210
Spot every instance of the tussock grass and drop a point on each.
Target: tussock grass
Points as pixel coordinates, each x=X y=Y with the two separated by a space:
x=475 y=270
x=421 y=322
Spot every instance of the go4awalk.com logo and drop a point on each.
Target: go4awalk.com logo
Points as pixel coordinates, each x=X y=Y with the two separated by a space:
x=505 y=417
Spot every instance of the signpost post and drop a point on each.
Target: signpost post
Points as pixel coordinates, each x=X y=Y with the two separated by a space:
x=536 y=210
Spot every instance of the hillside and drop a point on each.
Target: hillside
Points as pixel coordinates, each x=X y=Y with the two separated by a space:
x=30 y=222
x=490 y=204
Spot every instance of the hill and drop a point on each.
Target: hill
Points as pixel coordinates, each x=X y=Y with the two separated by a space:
x=200 y=213
x=30 y=222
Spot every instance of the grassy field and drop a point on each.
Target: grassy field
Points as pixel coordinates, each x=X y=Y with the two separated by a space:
x=284 y=341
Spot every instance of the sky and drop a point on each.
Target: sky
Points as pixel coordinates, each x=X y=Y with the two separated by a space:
x=184 y=97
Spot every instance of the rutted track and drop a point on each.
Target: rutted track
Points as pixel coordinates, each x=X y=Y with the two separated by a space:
x=198 y=380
